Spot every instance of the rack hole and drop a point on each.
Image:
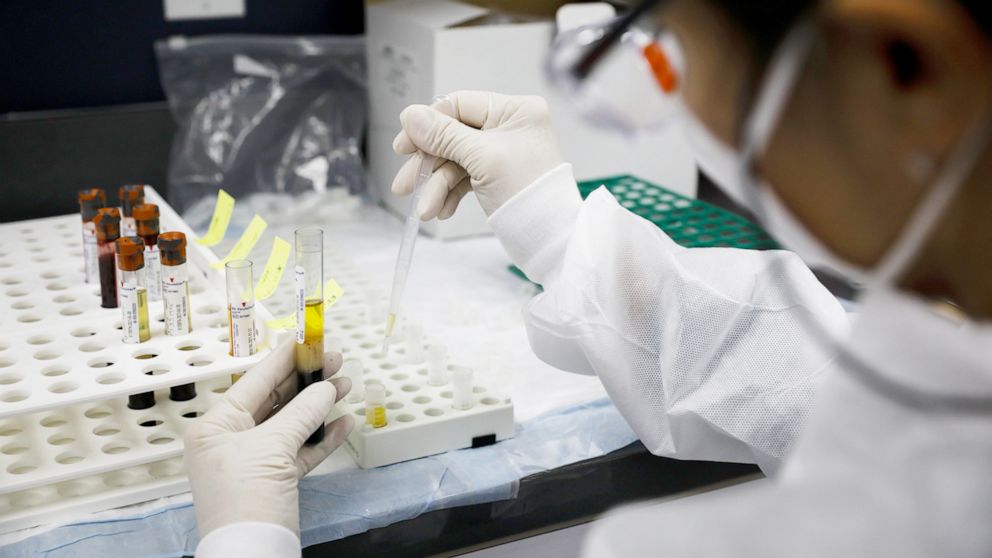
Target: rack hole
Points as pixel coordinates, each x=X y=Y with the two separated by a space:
x=71 y=311
x=22 y=305
x=220 y=389
x=29 y=318
x=208 y=309
x=47 y=355
x=422 y=371
x=14 y=293
x=13 y=449
x=97 y=412
x=149 y=422
x=40 y=339
x=155 y=370
x=21 y=468
x=50 y=275
x=51 y=421
x=405 y=418
x=7 y=379
x=63 y=387
x=160 y=439
x=432 y=412
x=92 y=347
x=68 y=458
x=489 y=401
x=421 y=399
x=10 y=281
x=393 y=405
x=410 y=388
x=144 y=355
x=202 y=360
x=360 y=412
x=106 y=430
x=53 y=371
x=478 y=389
x=115 y=448
x=63 y=299
x=109 y=379
x=4 y=362
x=188 y=346
x=446 y=394
x=100 y=363
x=83 y=332
x=8 y=430
x=60 y=439
x=399 y=377
x=57 y=286
x=192 y=413
x=14 y=396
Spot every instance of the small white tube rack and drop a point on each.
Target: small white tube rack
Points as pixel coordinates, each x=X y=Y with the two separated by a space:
x=69 y=444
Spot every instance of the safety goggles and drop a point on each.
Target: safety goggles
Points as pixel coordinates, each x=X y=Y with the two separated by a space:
x=625 y=73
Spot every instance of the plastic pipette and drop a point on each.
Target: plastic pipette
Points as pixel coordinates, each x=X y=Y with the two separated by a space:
x=410 y=231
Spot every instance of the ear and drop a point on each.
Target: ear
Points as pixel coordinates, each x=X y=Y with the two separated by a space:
x=926 y=61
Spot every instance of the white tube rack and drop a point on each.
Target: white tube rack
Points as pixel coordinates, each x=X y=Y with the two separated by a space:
x=69 y=444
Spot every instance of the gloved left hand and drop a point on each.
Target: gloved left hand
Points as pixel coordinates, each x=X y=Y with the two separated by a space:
x=243 y=464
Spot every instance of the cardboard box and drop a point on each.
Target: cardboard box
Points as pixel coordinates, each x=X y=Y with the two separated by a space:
x=418 y=48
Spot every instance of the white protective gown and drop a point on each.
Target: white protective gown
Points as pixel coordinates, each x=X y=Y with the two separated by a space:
x=705 y=353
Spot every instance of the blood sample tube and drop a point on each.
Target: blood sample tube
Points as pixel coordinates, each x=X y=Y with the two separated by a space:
x=175 y=297
x=240 y=308
x=108 y=230
x=310 y=312
x=131 y=195
x=89 y=201
x=146 y=222
x=175 y=282
x=132 y=292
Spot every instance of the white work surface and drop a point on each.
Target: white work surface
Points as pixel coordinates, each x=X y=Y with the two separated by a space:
x=460 y=291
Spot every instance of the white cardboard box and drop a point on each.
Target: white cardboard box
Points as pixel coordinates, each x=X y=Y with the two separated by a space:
x=418 y=48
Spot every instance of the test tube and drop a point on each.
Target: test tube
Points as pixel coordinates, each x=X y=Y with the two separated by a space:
x=175 y=283
x=146 y=222
x=310 y=313
x=240 y=308
x=375 y=405
x=132 y=293
x=354 y=371
x=414 y=344
x=131 y=195
x=175 y=297
x=437 y=365
x=108 y=230
x=89 y=202
x=461 y=382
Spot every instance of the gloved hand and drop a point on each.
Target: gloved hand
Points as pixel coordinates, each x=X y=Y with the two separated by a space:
x=493 y=144
x=243 y=469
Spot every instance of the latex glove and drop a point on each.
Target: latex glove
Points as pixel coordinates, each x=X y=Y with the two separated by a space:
x=244 y=464
x=493 y=144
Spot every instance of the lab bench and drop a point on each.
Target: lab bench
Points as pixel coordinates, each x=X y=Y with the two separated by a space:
x=544 y=502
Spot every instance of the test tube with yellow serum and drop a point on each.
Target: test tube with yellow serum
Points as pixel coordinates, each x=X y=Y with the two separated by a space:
x=309 y=276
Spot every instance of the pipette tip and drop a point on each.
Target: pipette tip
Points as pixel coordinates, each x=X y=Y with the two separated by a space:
x=385 y=346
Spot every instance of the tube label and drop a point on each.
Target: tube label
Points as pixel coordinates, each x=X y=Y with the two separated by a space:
x=301 y=304
x=134 y=313
x=90 y=255
x=242 y=329
x=128 y=226
x=175 y=297
x=153 y=267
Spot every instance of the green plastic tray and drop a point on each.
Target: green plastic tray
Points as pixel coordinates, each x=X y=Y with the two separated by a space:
x=689 y=222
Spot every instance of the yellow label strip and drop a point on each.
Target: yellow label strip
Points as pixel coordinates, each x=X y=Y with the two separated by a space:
x=243 y=246
x=332 y=294
x=274 y=267
x=218 y=223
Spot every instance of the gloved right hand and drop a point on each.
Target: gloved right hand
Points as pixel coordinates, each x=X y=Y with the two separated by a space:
x=493 y=144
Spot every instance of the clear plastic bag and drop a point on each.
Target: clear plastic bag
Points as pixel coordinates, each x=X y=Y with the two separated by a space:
x=264 y=114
